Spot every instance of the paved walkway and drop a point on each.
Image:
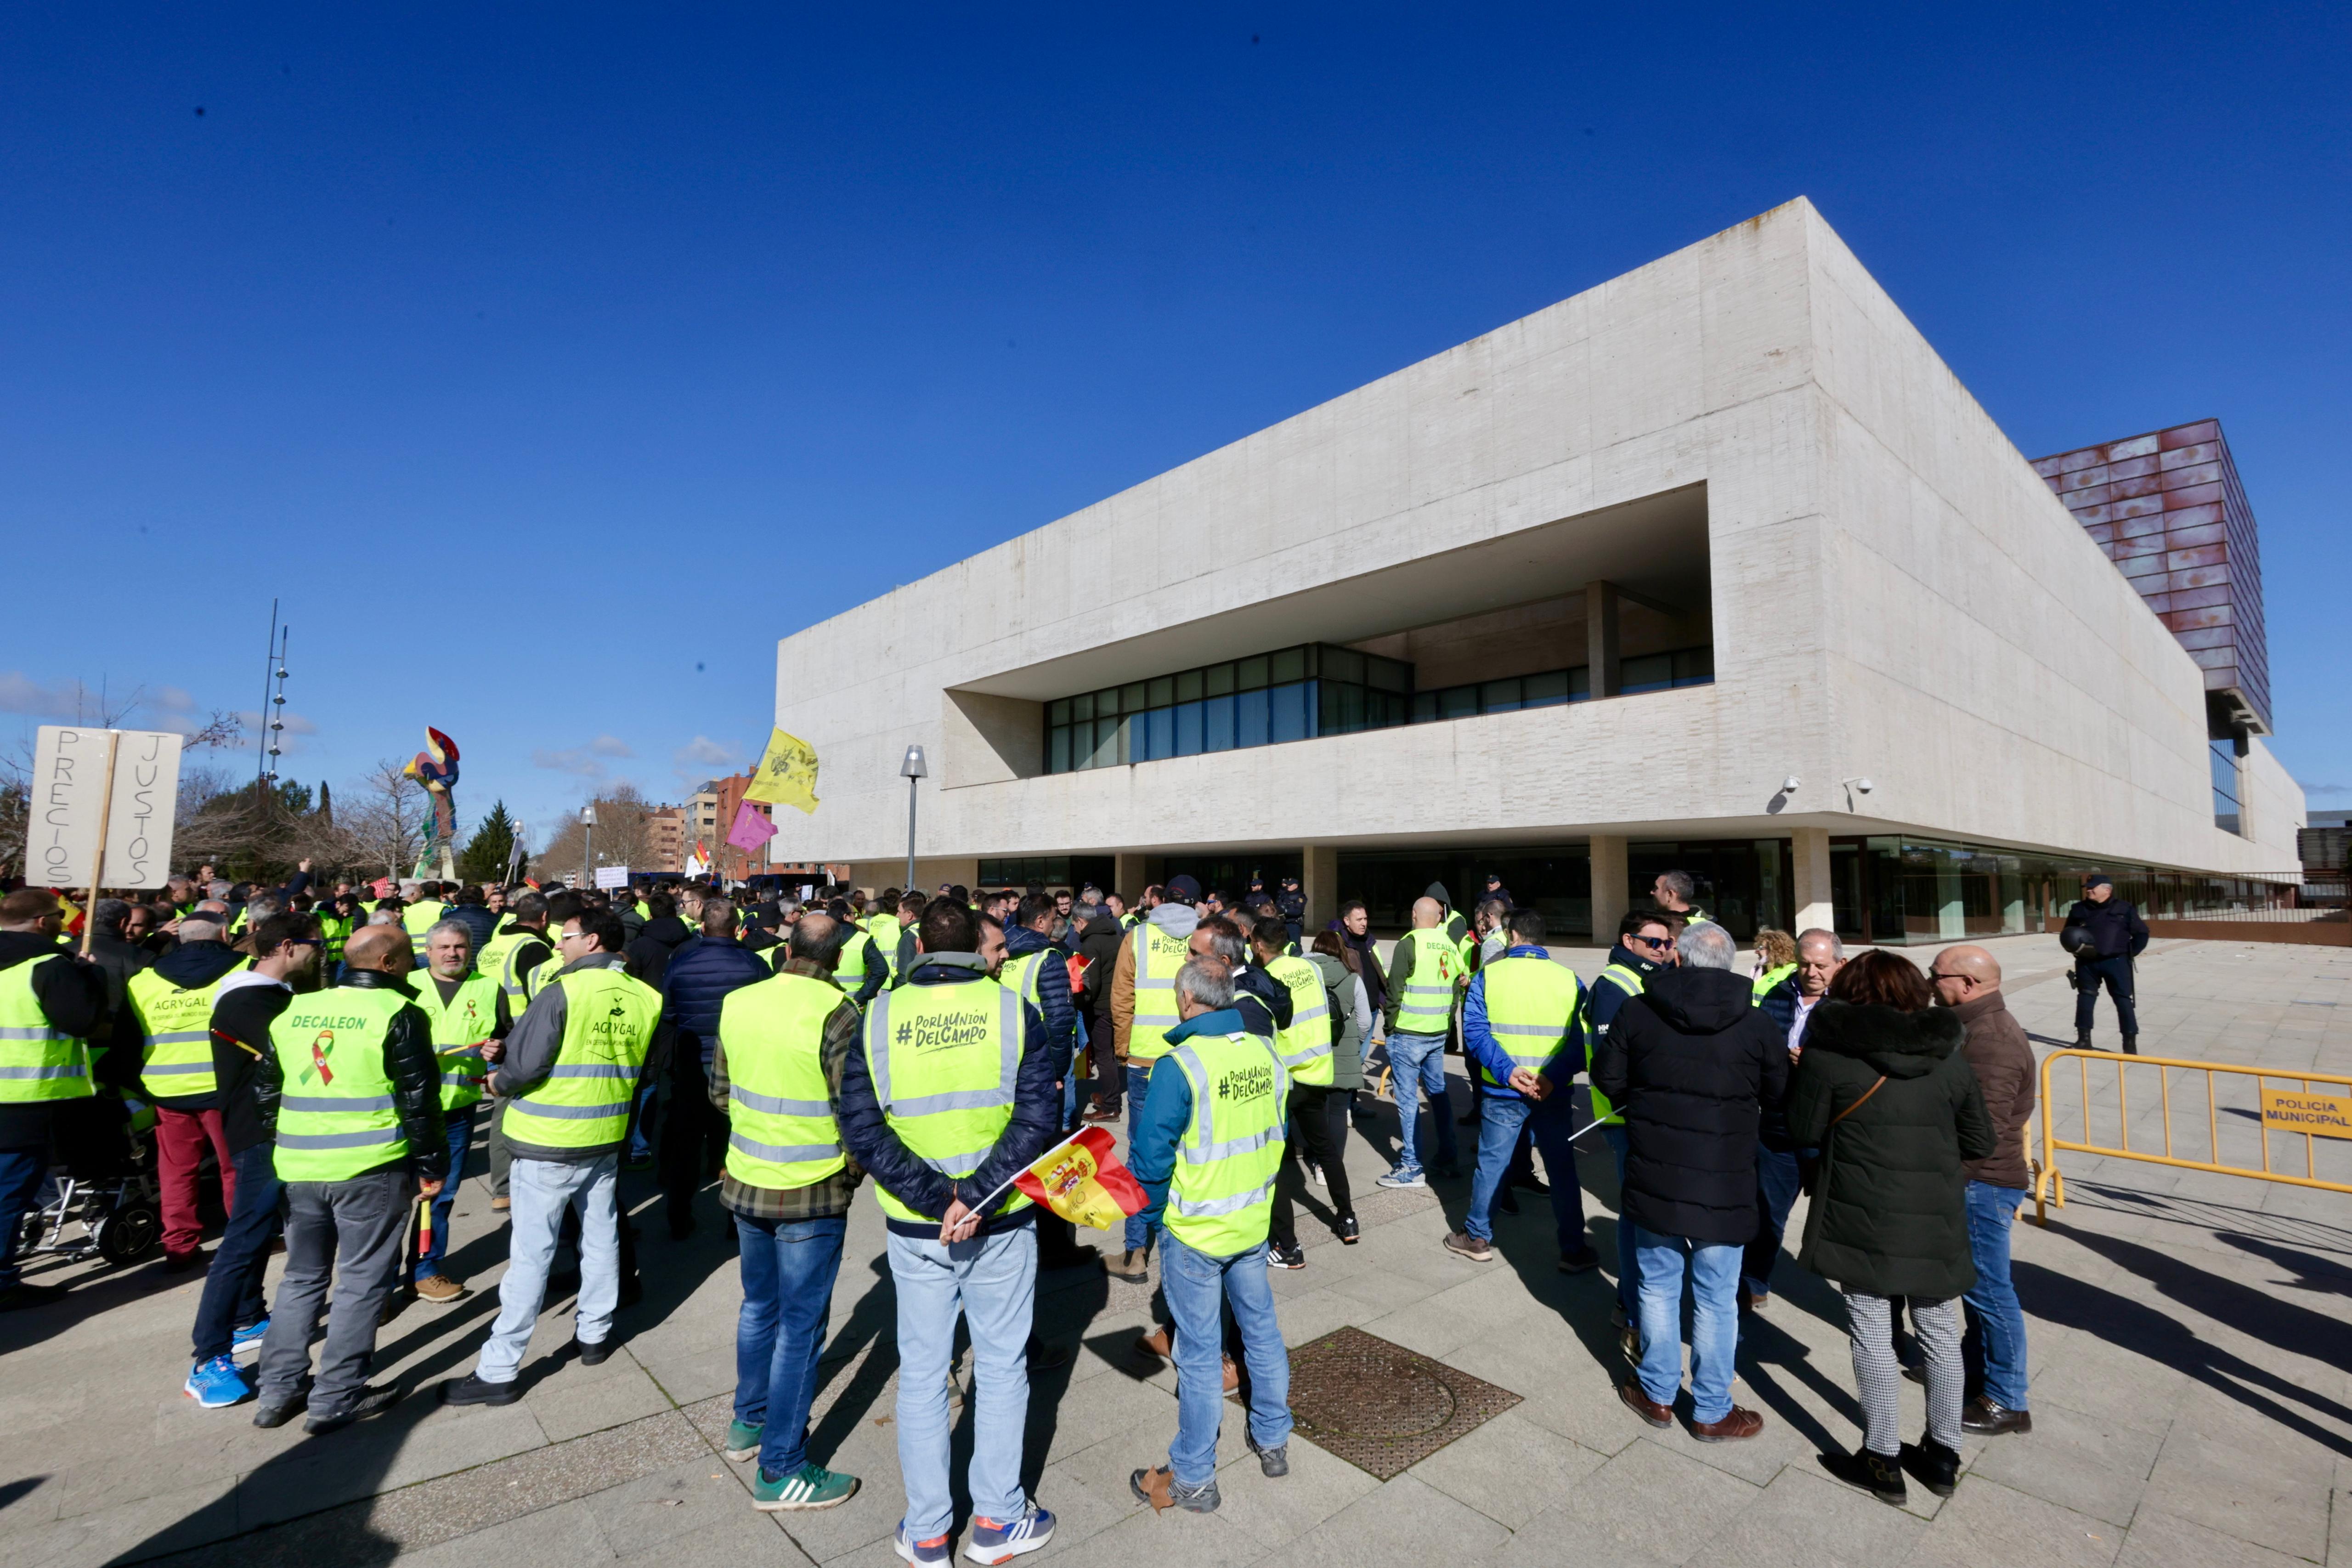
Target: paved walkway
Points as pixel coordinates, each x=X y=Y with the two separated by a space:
x=2192 y=1391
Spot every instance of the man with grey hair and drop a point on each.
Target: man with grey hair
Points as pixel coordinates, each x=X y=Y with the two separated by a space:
x=470 y=1019
x=1779 y=1163
x=1691 y=1063
x=1207 y=1147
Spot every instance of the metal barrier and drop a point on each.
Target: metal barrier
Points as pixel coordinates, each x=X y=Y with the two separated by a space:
x=2307 y=1114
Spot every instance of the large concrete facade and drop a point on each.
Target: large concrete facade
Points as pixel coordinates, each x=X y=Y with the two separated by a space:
x=1890 y=590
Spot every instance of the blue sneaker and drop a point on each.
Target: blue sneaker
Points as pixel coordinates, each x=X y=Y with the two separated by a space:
x=249 y=1337
x=1001 y=1540
x=217 y=1383
x=935 y=1550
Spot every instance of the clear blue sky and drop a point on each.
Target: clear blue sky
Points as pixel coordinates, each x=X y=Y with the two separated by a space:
x=448 y=328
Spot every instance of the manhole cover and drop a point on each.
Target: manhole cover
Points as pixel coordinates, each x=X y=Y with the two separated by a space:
x=1380 y=1406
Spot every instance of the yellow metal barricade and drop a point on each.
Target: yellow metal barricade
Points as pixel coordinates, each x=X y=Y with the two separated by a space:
x=2307 y=1112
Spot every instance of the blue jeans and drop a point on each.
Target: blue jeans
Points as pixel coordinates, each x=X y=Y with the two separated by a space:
x=1552 y=1121
x=1418 y=1067
x=1629 y=1261
x=1197 y=1285
x=460 y=1124
x=1776 y=1194
x=233 y=1297
x=1139 y=1084
x=993 y=1279
x=789 y=1268
x=1993 y=1349
x=1715 y=1320
x=21 y=1171
x=540 y=1191
x=1500 y=1120
x=641 y=1146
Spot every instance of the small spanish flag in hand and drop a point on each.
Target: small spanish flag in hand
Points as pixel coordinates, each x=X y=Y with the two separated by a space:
x=1081 y=1180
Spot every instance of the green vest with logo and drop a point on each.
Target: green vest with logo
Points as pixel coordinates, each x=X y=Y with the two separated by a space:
x=336 y=929
x=1158 y=957
x=1630 y=981
x=583 y=1102
x=1427 y=1004
x=461 y=1028
x=37 y=1061
x=335 y=1119
x=1221 y=1197
x=1530 y=1010
x=1763 y=984
x=176 y=1029
x=1304 y=1046
x=781 y=1132
x=416 y=920
x=945 y=1060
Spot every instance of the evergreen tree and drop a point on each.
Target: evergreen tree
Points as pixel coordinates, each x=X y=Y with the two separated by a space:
x=485 y=856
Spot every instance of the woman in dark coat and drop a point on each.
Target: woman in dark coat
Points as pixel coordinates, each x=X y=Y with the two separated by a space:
x=1887 y=1095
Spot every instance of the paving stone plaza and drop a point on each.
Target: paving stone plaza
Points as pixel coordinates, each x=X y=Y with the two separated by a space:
x=2191 y=1386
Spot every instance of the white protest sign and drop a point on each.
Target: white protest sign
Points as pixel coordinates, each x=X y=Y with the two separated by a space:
x=612 y=876
x=71 y=817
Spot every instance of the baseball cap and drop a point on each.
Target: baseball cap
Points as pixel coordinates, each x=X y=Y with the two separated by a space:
x=2098 y=881
x=1182 y=888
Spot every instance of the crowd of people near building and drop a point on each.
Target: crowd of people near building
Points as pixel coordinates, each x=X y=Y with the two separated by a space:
x=334 y=1056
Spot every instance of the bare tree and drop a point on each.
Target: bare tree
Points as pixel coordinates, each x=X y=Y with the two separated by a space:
x=624 y=836
x=382 y=819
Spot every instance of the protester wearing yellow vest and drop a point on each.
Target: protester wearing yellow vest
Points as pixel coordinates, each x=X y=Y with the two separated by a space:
x=1520 y=1028
x=775 y=1074
x=569 y=1072
x=1206 y=1149
x=470 y=1022
x=1304 y=1045
x=50 y=1005
x=421 y=912
x=350 y=1094
x=167 y=1021
x=1425 y=971
x=1143 y=1010
x=1645 y=944
x=951 y=1096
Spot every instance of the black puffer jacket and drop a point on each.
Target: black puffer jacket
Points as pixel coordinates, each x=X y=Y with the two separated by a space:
x=1888 y=1215
x=1692 y=1062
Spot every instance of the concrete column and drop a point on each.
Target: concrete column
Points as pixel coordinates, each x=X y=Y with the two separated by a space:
x=1609 y=893
x=1319 y=879
x=1600 y=640
x=1816 y=907
x=1127 y=877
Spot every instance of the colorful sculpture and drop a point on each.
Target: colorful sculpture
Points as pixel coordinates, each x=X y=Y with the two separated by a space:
x=435 y=767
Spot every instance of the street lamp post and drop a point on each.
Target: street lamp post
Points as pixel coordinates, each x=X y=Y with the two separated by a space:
x=587 y=846
x=913 y=771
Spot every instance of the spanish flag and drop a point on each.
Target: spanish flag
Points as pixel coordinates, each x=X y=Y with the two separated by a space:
x=1081 y=1180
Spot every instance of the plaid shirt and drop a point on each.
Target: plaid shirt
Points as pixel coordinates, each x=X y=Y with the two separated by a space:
x=819 y=1200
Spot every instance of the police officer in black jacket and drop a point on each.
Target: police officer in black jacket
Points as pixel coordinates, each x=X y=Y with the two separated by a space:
x=2105 y=933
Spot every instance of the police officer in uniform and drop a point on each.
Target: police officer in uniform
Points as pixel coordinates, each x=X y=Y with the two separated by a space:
x=2105 y=933
x=350 y=1094
x=572 y=1065
x=952 y=1095
x=50 y=1005
x=1207 y=1151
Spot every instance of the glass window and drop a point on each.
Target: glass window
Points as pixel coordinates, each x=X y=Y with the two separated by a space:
x=1651 y=672
x=1217 y=723
x=1218 y=680
x=1499 y=696
x=1579 y=684
x=1105 y=743
x=1250 y=673
x=1188 y=729
x=1131 y=737
x=1059 y=712
x=1424 y=707
x=1057 y=747
x=1082 y=709
x=1130 y=697
x=1386 y=674
x=1343 y=663
x=1342 y=708
x=1158 y=734
x=1544 y=690
x=1162 y=693
x=1288 y=665
x=1695 y=667
x=1457 y=702
x=1250 y=718
x=2224 y=765
x=1105 y=702
x=1290 y=709
x=1188 y=686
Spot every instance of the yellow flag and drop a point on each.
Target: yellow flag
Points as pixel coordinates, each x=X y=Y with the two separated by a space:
x=787 y=774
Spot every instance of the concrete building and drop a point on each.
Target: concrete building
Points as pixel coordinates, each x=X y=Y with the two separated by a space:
x=666 y=838
x=1714 y=566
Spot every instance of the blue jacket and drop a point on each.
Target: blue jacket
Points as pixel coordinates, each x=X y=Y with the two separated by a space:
x=1034 y=1126
x=1601 y=1001
x=698 y=981
x=1480 y=1042
x=475 y=918
x=1052 y=992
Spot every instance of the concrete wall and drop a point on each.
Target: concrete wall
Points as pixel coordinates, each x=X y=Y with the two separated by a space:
x=1895 y=593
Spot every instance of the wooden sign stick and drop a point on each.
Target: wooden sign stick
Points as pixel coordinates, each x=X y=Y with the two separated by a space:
x=105 y=825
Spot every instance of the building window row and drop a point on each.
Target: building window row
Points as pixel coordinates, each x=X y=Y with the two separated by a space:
x=1301 y=693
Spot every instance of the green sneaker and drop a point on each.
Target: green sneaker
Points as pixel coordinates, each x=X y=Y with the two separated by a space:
x=811 y=1486
x=742 y=1441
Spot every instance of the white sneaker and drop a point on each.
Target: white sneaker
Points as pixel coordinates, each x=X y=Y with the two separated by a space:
x=1395 y=1179
x=1315 y=1174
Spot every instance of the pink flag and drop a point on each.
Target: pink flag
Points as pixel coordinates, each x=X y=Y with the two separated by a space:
x=752 y=828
